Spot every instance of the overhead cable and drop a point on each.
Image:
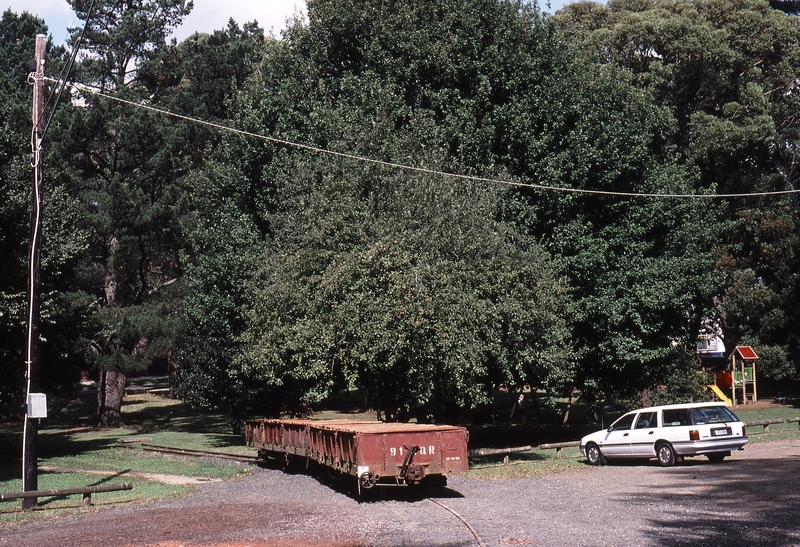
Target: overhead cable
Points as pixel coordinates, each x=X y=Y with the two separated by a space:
x=65 y=71
x=393 y=165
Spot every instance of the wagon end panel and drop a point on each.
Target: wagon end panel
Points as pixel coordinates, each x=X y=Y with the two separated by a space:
x=411 y=456
x=254 y=434
x=454 y=451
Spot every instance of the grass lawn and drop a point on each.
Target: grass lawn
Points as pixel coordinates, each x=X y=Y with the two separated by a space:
x=67 y=443
x=771 y=412
x=534 y=463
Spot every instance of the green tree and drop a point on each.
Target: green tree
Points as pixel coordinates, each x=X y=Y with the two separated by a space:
x=507 y=92
x=640 y=269
x=412 y=291
x=352 y=79
x=495 y=87
x=124 y=171
x=17 y=46
x=222 y=235
x=223 y=247
x=16 y=32
x=726 y=70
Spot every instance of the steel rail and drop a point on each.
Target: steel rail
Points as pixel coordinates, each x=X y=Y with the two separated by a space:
x=462 y=519
x=199 y=453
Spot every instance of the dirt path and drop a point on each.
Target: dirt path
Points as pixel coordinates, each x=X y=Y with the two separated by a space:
x=157 y=477
x=751 y=499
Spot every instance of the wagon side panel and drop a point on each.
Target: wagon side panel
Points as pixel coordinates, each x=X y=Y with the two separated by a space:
x=277 y=436
x=294 y=438
x=333 y=448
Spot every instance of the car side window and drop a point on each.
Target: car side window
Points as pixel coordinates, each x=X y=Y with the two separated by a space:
x=646 y=420
x=676 y=417
x=623 y=423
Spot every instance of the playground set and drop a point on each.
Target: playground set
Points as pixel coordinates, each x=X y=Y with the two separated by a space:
x=738 y=379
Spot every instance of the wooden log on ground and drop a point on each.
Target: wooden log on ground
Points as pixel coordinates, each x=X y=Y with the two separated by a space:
x=87 y=492
x=765 y=423
x=559 y=447
x=479 y=452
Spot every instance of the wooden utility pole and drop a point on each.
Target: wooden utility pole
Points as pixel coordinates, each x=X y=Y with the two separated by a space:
x=30 y=471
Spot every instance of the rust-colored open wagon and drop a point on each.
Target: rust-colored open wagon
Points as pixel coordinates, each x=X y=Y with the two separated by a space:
x=373 y=452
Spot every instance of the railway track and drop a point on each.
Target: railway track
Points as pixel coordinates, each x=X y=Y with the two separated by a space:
x=401 y=515
x=408 y=523
x=462 y=519
x=199 y=453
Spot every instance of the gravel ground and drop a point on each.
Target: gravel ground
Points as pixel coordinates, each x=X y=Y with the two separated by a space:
x=753 y=498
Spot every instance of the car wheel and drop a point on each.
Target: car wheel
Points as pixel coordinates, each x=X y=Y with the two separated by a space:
x=715 y=458
x=666 y=454
x=593 y=454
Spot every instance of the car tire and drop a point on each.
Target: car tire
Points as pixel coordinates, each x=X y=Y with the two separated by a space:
x=666 y=454
x=593 y=454
x=716 y=458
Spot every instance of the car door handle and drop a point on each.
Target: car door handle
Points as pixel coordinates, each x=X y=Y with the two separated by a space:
x=650 y=432
x=625 y=435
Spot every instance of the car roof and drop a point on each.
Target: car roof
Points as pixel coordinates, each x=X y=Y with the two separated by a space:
x=679 y=405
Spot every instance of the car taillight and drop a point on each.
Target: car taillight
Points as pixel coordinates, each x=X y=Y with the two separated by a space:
x=744 y=433
x=694 y=435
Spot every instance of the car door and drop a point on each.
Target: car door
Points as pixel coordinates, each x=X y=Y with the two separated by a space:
x=643 y=434
x=617 y=443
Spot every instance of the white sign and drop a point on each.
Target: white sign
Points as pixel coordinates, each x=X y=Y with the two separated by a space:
x=37 y=405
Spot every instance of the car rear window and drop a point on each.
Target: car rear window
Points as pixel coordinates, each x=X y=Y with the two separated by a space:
x=713 y=415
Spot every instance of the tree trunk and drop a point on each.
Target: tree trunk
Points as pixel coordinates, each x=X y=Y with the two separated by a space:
x=565 y=415
x=536 y=407
x=646 y=398
x=110 y=392
x=111 y=388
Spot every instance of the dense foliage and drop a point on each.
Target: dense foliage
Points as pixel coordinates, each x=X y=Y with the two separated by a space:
x=727 y=72
x=17 y=39
x=265 y=276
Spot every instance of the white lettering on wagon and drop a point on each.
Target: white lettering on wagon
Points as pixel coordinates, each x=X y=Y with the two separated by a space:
x=423 y=450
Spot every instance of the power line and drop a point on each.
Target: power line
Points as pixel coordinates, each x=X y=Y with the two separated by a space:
x=393 y=165
x=65 y=71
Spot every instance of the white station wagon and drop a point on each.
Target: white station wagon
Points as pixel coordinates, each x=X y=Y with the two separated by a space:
x=669 y=433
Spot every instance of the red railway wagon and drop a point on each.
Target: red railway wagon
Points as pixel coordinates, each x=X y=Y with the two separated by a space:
x=373 y=452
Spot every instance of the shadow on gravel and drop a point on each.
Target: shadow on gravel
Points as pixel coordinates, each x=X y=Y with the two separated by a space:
x=347 y=485
x=748 y=502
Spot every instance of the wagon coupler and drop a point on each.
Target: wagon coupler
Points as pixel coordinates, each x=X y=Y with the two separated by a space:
x=402 y=474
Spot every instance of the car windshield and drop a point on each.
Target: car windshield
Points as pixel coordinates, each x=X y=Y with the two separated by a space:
x=713 y=414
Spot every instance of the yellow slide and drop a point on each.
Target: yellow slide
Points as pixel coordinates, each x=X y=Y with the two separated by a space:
x=715 y=388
